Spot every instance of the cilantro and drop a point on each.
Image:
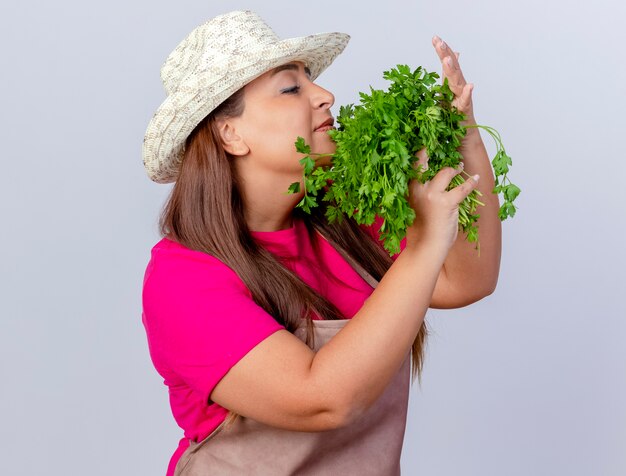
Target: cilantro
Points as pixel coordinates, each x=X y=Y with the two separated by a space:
x=374 y=160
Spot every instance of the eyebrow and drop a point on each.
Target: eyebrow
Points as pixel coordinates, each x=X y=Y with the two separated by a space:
x=291 y=67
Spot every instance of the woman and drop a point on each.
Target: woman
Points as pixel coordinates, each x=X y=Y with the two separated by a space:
x=254 y=310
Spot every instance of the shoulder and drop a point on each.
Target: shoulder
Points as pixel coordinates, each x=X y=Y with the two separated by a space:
x=189 y=293
x=173 y=265
x=180 y=281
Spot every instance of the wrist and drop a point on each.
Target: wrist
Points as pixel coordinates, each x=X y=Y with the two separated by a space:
x=472 y=138
x=419 y=248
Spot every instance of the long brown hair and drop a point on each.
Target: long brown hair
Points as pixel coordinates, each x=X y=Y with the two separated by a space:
x=205 y=212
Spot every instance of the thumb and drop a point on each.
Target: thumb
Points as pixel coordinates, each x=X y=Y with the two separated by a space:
x=421 y=165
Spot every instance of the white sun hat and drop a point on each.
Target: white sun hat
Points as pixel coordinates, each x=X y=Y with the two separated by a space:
x=218 y=58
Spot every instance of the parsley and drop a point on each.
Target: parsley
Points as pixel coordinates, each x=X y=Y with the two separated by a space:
x=374 y=160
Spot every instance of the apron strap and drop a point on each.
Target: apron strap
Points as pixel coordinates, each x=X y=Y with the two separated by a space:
x=369 y=279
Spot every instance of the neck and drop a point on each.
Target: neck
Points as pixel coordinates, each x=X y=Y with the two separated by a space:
x=267 y=206
x=257 y=221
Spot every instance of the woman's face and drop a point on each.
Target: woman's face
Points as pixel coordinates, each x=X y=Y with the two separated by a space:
x=281 y=105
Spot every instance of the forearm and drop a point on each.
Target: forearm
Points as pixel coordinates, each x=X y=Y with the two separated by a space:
x=472 y=273
x=361 y=360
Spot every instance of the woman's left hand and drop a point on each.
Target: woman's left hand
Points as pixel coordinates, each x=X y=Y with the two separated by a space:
x=458 y=85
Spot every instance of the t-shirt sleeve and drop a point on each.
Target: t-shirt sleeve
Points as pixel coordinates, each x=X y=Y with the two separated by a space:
x=200 y=318
x=373 y=231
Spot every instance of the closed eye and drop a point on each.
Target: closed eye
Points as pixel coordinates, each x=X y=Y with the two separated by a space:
x=292 y=90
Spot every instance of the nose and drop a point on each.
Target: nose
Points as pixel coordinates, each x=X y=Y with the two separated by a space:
x=322 y=98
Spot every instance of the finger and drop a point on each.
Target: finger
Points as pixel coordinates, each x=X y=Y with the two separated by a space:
x=451 y=68
x=443 y=51
x=459 y=193
x=464 y=100
x=421 y=165
x=440 y=47
x=452 y=71
x=442 y=179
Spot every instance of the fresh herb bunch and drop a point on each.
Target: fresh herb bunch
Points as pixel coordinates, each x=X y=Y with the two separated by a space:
x=374 y=161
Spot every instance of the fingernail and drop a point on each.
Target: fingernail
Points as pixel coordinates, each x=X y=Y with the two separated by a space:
x=442 y=45
x=476 y=177
x=436 y=39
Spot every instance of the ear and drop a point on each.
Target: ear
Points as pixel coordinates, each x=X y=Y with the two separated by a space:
x=232 y=141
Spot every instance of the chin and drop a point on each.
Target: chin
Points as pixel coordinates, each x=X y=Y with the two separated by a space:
x=325 y=146
x=323 y=162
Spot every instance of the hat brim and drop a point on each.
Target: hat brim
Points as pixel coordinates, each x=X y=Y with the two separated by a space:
x=196 y=97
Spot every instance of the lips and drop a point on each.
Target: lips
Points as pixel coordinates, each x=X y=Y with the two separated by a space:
x=326 y=125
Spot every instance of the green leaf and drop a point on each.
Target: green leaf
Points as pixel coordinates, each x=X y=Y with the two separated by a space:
x=308 y=163
x=309 y=202
x=302 y=147
x=294 y=188
x=511 y=192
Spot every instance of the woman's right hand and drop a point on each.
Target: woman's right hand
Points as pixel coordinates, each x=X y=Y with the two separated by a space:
x=436 y=210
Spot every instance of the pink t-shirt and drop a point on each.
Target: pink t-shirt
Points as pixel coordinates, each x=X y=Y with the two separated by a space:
x=200 y=318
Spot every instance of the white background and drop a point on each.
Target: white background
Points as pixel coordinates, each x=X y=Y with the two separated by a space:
x=529 y=381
